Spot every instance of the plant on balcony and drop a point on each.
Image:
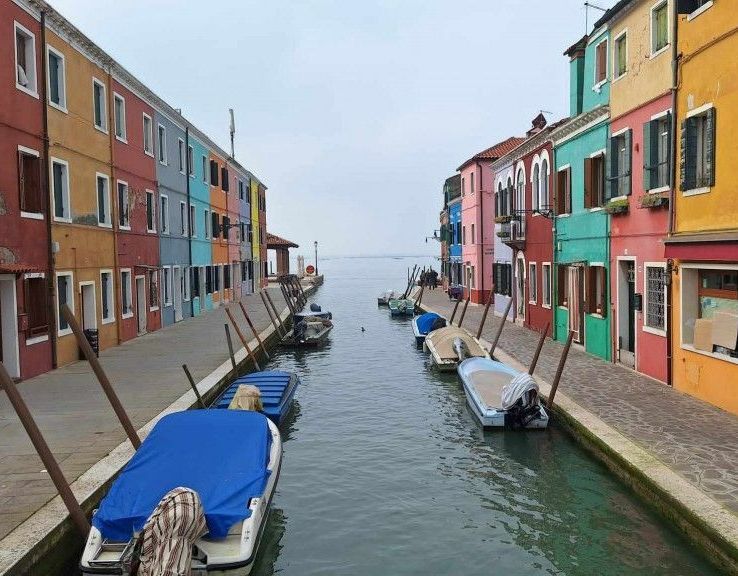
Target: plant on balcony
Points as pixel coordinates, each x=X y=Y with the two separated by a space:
x=654 y=201
x=617 y=207
x=503 y=234
x=503 y=219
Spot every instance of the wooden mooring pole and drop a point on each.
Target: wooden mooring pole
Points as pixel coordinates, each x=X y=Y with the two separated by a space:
x=500 y=327
x=241 y=337
x=453 y=314
x=286 y=296
x=463 y=312
x=560 y=370
x=420 y=296
x=253 y=329
x=541 y=340
x=269 y=313
x=484 y=315
x=230 y=345
x=193 y=385
x=276 y=314
x=44 y=452
x=97 y=368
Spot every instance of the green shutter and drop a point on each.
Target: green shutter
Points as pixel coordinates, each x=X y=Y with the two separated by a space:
x=611 y=168
x=688 y=157
x=668 y=151
x=627 y=170
x=711 y=122
x=650 y=146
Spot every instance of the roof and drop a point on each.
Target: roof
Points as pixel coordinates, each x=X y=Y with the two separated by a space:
x=579 y=45
x=494 y=152
x=16 y=268
x=612 y=12
x=274 y=241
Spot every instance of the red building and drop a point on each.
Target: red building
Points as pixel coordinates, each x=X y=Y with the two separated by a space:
x=26 y=277
x=133 y=187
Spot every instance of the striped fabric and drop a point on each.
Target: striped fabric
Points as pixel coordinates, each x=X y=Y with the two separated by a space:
x=169 y=534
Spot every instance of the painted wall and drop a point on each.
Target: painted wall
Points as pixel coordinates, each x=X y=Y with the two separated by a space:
x=503 y=254
x=256 y=236
x=595 y=95
x=200 y=198
x=477 y=208
x=234 y=239
x=219 y=204
x=246 y=249
x=454 y=218
x=262 y=235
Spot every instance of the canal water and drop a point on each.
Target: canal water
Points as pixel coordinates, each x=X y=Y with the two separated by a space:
x=385 y=471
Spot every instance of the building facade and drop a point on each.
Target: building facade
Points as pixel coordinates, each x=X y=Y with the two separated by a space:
x=453 y=206
x=502 y=266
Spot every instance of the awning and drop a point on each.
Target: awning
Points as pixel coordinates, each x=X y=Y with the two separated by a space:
x=714 y=247
x=16 y=268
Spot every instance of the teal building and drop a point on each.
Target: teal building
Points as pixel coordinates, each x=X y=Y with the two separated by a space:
x=200 y=223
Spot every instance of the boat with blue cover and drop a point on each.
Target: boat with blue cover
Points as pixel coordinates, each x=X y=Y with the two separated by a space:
x=230 y=458
x=277 y=389
x=401 y=307
x=424 y=324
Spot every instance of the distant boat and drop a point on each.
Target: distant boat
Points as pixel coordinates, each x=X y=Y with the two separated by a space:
x=277 y=390
x=401 y=307
x=384 y=298
x=426 y=323
x=499 y=395
x=309 y=329
x=451 y=345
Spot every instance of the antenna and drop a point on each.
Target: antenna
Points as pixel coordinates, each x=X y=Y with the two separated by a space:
x=233 y=132
x=587 y=6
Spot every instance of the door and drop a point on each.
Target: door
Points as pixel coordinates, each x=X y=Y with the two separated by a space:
x=89 y=305
x=520 y=290
x=626 y=312
x=178 y=289
x=9 y=347
x=141 y=304
x=575 y=279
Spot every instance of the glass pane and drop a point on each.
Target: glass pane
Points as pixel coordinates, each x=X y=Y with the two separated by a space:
x=58 y=174
x=101 y=202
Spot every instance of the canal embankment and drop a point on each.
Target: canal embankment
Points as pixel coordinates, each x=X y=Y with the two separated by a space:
x=87 y=438
x=672 y=449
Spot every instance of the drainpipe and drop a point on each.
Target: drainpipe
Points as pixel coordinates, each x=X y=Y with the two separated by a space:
x=50 y=268
x=554 y=266
x=188 y=169
x=672 y=192
x=115 y=209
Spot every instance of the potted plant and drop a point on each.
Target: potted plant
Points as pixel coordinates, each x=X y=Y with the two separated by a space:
x=503 y=219
x=615 y=207
x=654 y=201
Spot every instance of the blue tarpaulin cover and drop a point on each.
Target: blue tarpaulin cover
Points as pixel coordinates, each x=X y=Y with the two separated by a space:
x=220 y=454
x=425 y=322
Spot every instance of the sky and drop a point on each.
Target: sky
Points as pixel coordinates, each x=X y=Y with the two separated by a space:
x=352 y=112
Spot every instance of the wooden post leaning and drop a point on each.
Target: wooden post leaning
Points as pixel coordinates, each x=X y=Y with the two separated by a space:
x=484 y=315
x=276 y=314
x=230 y=345
x=286 y=296
x=420 y=296
x=97 y=368
x=541 y=340
x=193 y=385
x=463 y=312
x=269 y=313
x=559 y=370
x=453 y=314
x=253 y=329
x=500 y=327
x=44 y=452
x=249 y=353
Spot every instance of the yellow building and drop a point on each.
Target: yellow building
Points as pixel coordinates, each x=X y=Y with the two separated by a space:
x=703 y=245
x=83 y=207
x=256 y=239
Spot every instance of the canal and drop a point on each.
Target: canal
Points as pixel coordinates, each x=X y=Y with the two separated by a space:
x=386 y=472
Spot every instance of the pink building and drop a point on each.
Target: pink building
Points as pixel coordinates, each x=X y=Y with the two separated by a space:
x=477 y=215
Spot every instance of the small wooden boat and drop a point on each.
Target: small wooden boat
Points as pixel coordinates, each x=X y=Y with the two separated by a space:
x=230 y=458
x=277 y=389
x=426 y=323
x=500 y=396
x=450 y=345
x=384 y=298
x=309 y=329
x=401 y=307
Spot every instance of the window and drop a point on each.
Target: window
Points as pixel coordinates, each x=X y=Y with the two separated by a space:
x=225 y=179
x=532 y=283
x=226 y=277
x=213 y=173
x=601 y=63
x=659 y=27
x=206 y=222
x=217 y=271
x=25 y=60
x=164 y=214
x=190 y=161
x=250 y=233
x=57 y=84
x=471 y=182
x=208 y=279
x=536 y=181
x=150 y=218
x=126 y=294
x=621 y=55
x=204 y=169
x=655 y=298
x=167 y=286
x=186 y=284
x=36 y=299
x=181 y=155
x=183 y=219
x=162 y=144
x=242 y=230
x=698 y=150
x=502 y=278
x=215 y=229
x=240 y=190
x=119 y=110
x=594 y=181
x=153 y=290
x=563 y=191
x=226 y=227
x=473 y=235
x=99 y=105
x=463 y=186
x=195 y=281
x=463 y=235
x=657 y=152
x=520 y=201
x=596 y=290
x=193 y=222
x=619 y=160
x=546 y=284
x=30 y=194
x=693 y=7
x=106 y=291
x=544 y=201
x=124 y=220
x=148 y=135
x=64 y=296
x=102 y=183
x=244 y=271
x=60 y=188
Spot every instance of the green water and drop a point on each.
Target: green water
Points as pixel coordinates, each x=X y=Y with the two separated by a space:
x=385 y=471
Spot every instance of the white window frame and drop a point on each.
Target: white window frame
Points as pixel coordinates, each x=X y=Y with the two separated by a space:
x=104 y=106
x=544 y=181
x=182 y=156
x=128 y=287
x=158 y=288
x=67 y=193
x=43 y=337
x=62 y=106
x=70 y=300
x=698 y=112
x=186 y=271
x=151 y=194
x=190 y=160
x=596 y=86
x=167 y=286
x=646 y=328
x=32 y=38
x=207 y=223
x=700 y=10
x=124 y=136
x=653 y=53
x=164 y=214
x=161 y=137
x=37 y=154
x=615 y=76
x=117 y=198
x=148 y=151
x=193 y=221
x=184 y=216
x=533 y=277
x=546 y=294
x=108 y=212
x=111 y=295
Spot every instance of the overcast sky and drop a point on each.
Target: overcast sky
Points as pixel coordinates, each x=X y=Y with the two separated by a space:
x=353 y=112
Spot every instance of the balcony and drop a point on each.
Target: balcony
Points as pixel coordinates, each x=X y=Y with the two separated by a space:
x=512 y=234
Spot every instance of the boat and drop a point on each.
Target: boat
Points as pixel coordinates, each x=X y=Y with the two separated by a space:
x=424 y=324
x=450 y=345
x=500 y=396
x=401 y=307
x=309 y=329
x=384 y=298
x=230 y=458
x=277 y=392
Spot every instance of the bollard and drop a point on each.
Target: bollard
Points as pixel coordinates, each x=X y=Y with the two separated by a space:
x=538 y=350
x=253 y=329
x=484 y=315
x=230 y=346
x=501 y=326
x=193 y=385
x=453 y=314
x=241 y=337
x=559 y=370
x=463 y=312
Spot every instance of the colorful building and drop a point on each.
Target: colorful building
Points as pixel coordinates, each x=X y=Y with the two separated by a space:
x=255 y=234
x=200 y=224
x=443 y=238
x=703 y=244
x=452 y=193
x=262 y=236
x=503 y=174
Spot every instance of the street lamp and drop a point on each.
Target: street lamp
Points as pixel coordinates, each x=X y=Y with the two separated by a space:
x=316 y=257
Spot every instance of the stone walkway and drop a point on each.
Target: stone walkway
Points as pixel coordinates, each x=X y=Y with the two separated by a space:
x=75 y=417
x=693 y=438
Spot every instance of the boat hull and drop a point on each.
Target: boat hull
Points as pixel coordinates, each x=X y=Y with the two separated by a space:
x=439 y=344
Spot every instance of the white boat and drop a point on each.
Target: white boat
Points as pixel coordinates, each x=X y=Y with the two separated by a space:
x=309 y=329
x=450 y=345
x=384 y=298
x=500 y=396
x=230 y=458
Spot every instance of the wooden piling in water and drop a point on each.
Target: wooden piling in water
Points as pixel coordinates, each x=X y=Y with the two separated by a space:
x=193 y=385
x=44 y=452
x=453 y=314
x=254 y=330
x=484 y=315
x=102 y=378
x=541 y=340
x=230 y=345
x=244 y=341
x=560 y=370
x=503 y=320
x=463 y=312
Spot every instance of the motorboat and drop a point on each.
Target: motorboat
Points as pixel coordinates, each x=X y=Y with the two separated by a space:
x=500 y=396
x=276 y=392
x=309 y=329
x=230 y=458
x=426 y=323
x=401 y=307
x=451 y=345
x=384 y=298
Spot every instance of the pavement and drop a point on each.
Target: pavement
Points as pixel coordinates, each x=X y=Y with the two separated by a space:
x=76 y=419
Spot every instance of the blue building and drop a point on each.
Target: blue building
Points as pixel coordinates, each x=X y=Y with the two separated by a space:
x=452 y=193
x=200 y=223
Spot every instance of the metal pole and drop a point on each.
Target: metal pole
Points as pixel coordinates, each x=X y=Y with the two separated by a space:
x=97 y=368
x=560 y=370
x=453 y=314
x=463 y=312
x=484 y=315
x=253 y=329
x=538 y=350
x=269 y=313
x=230 y=345
x=276 y=314
x=241 y=337
x=193 y=385
x=501 y=326
x=42 y=448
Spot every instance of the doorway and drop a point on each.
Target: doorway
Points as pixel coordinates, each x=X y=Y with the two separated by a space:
x=9 y=346
x=575 y=279
x=177 y=293
x=520 y=289
x=141 y=304
x=626 y=312
x=89 y=305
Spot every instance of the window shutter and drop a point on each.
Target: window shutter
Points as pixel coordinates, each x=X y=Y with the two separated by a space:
x=588 y=182
x=559 y=192
x=213 y=173
x=668 y=150
x=688 y=156
x=225 y=180
x=611 y=168
x=711 y=122
x=627 y=170
x=508 y=279
x=649 y=146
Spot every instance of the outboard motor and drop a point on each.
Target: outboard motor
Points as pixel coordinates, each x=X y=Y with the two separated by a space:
x=315 y=308
x=461 y=349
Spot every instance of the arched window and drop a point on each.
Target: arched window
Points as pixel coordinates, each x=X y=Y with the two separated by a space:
x=520 y=198
x=536 y=187
x=508 y=196
x=498 y=201
x=544 y=201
